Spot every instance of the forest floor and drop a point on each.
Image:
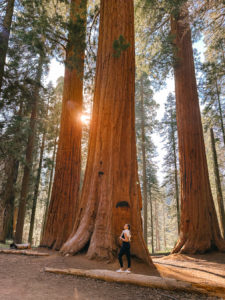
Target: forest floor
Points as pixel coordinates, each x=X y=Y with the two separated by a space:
x=23 y=277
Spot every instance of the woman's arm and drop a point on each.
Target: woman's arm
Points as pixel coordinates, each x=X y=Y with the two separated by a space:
x=125 y=239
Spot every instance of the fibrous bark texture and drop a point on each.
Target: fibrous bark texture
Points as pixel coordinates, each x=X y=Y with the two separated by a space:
x=111 y=193
x=65 y=190
x=199 y=229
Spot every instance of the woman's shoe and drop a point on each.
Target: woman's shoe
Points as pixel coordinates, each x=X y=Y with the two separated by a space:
x=120 y=271
x=128 y=271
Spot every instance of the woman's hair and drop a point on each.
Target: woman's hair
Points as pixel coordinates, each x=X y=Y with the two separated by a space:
x=128 y=226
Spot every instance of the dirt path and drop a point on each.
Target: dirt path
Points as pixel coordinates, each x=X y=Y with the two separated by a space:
x=23 y=277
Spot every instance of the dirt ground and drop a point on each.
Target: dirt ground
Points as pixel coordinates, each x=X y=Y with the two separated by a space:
x=209 y=267
x=23 y=277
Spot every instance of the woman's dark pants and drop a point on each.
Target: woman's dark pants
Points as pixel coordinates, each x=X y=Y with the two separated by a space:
x=125 y=249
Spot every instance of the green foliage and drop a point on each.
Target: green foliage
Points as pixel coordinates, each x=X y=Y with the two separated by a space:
x=211 y=88
x=119 y=46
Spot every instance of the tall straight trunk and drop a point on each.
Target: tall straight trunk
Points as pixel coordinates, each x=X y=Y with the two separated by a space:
x=164 y=226
x=199 y=228
x=111 y=194
x=4 y=37
x=7 y=205
x=151 y=212
x=175 y=174
x=157 y=237
x=49 y=188
x=65 y=191
x=7 y=201
x=218 y=184
x=36 y=189
x=220 y=111
x=29 y=155
x=144 y=164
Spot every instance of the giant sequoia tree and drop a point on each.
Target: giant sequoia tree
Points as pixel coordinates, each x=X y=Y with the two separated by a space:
x=199 y=229
x=65 y=191
x=111 y=192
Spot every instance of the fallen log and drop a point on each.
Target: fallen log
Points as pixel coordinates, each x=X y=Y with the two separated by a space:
x=141 y=280
x=24 y=252
x=212 y=284
x=20 y=246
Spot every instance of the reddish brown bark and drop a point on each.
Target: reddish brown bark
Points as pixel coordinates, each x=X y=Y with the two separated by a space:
x=111 y=193
x=65 y=190
x=199 y=229
x=7 y=203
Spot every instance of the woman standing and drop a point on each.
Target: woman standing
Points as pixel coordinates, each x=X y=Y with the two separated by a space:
x=125 y=249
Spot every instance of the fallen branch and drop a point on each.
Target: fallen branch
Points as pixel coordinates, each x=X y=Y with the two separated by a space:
x=24 y=252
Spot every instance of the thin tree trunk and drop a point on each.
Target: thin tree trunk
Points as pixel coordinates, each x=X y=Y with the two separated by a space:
x=6 y=209
x=151 y=212
x=49 y=188
x=7 y=203
x=164 y=226
x=29 y=155
x=218 y=185
x=157 y=238
x=175 y=175
x=4 y=37
x=36 y=189
x=144 y=164
x=199 y=228
x=65 y=192
x=220 y=112
x=111 y=194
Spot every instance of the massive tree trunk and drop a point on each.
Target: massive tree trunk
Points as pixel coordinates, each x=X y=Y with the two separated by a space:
x=65 y=192
x=199 y=229
x=4 y=37
x=7 y=205
x=218 y=185
x=144 y=163
x=111 y=193
x=29 y=155
x=36 y=189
